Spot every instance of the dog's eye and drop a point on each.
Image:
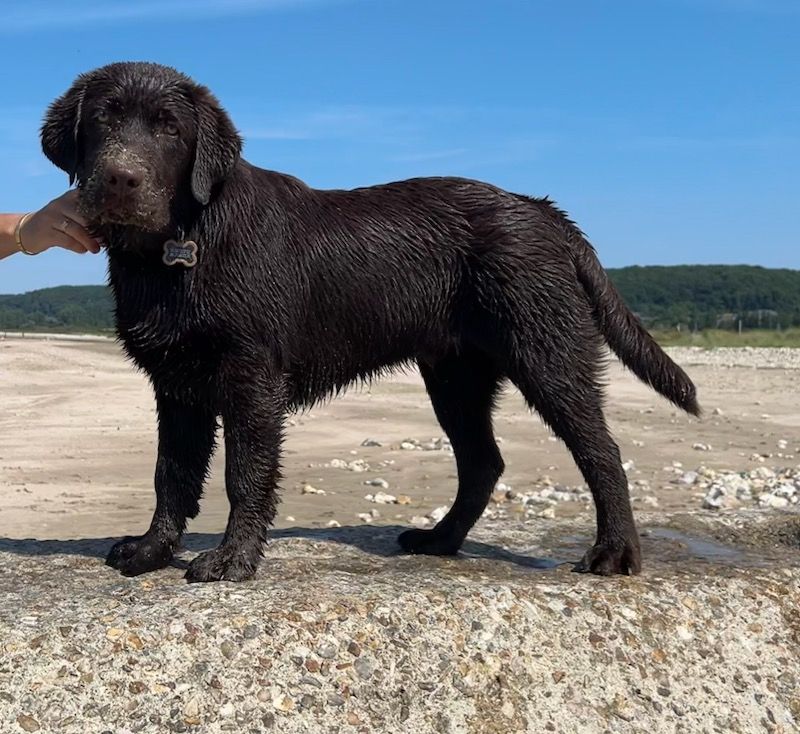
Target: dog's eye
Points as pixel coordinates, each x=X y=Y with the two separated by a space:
x=101 y=116
x=170 y=128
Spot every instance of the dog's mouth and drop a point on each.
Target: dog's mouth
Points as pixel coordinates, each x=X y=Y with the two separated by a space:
x=147 y=212
x=122 y=191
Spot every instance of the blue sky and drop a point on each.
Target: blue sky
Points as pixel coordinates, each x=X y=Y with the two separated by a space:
x=669 y=129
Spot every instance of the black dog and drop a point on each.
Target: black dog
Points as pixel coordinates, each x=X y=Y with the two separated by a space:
x=245 y=294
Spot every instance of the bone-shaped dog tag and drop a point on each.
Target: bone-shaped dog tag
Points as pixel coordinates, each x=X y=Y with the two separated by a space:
x=184 y=253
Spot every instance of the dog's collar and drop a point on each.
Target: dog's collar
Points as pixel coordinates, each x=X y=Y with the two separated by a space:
x=184 y=253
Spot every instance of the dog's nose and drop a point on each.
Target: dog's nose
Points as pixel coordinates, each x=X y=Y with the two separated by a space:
x=122 y=178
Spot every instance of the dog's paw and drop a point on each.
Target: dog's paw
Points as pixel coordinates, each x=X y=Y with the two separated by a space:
x=223 y=564
x=132 y=556
x=607 y=559
x=429 y=542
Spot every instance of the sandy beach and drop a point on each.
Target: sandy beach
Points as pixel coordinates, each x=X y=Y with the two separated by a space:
x=78 y=442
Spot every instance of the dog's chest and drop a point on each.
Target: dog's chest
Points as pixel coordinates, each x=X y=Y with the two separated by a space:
x=168 y=332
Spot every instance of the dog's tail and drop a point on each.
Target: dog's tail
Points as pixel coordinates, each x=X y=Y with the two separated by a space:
x=625 y=334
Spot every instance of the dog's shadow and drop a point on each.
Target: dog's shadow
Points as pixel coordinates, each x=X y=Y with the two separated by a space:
x=377 y=540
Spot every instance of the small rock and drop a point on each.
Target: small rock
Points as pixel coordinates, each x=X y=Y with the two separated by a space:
x=191 y=711
x=773 y=500
x=27 y=723
x=329 y=650
x=354 y=649
x=282 y=702
x=381 y=498
x=364 y=666
x=377 y=482
x=701 y=446
x=369 y=442
x=308 y=489
x=419 y=521
x=437 y=514
x=333 y=524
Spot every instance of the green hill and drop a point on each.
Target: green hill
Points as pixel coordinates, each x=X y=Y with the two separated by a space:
x=691 y=297
x=66 y=308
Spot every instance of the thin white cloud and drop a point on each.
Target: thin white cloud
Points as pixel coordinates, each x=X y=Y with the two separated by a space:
x=43 y=15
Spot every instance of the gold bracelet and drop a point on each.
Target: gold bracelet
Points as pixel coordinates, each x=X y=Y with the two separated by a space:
x=18 y=234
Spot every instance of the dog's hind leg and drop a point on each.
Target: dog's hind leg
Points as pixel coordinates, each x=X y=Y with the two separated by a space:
x=560 y=382
x=462 y=389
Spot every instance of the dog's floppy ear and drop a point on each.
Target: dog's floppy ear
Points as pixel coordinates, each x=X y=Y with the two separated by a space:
x=61 y=129
x=218 y=145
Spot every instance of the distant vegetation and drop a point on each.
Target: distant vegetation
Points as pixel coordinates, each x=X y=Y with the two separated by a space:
x=707 y=305
x=86 y=308
x=697 y=297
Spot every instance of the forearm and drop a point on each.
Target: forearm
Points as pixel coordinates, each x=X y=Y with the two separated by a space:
x=8 y=245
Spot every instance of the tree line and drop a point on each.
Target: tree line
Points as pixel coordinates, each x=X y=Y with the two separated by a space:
x=690 y=297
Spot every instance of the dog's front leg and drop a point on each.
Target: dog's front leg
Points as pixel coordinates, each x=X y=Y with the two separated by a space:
x=253 y=417
x=186 y=435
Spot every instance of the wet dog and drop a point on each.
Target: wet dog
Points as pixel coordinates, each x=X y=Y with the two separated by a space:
x=245 y=294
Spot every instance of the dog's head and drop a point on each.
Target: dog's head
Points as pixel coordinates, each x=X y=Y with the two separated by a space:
x=139 y=138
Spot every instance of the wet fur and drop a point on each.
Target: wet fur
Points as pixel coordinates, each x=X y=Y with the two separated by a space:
x=300 y=292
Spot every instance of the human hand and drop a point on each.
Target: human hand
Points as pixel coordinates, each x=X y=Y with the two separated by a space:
x=58 y=224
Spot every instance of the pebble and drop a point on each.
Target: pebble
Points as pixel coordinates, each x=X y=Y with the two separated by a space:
x=191 y=710
x=364 y=666
x=328 y=650
x=381 y=498
x=308 y=489
x=282 y=702
x=435 y=444
x=369 y=442
x=357 y=465
x=27 y=723
x=378 y=482
x=420 y=521
x=771 y=488
x=437 y=514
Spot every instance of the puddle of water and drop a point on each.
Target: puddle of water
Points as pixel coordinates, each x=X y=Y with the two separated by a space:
x=701 y=548
x=668 y=545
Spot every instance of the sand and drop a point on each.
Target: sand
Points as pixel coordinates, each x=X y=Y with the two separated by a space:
x=78 y=442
